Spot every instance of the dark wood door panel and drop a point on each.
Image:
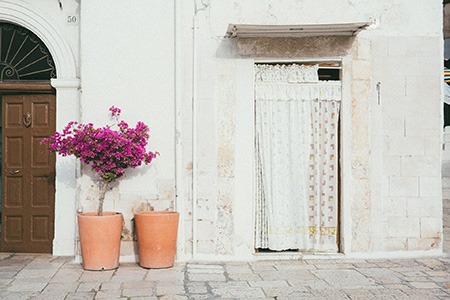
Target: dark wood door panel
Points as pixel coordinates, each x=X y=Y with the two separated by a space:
x=13 y=152
x=28 y=173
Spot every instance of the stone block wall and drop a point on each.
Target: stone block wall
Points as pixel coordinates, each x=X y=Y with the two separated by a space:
x=391 y=119
x=410 y=105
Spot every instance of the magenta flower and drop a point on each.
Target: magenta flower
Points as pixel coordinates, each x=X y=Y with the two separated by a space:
x=115 y=111
x=109 y=152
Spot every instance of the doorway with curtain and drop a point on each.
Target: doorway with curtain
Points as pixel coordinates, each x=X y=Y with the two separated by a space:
x=297 y=109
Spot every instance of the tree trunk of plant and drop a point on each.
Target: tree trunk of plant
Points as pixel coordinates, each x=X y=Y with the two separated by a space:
x=103 y=188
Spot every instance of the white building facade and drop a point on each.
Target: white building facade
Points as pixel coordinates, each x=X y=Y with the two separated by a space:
x=172 y=65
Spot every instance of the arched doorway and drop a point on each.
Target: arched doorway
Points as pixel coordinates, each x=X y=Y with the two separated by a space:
x=28 y=115
x=67 y=86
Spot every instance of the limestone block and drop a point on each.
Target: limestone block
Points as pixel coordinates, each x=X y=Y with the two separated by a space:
x=430 y=227
x=424 y=207
x=430 y=186
x=424 y=166
x=397 y=46
x=395 y=207
x=393 y=94
x=411 y=145
x=395 y=244
x=364 y=48
x=423 y=120
x=423 y=243
x=393 y=120
x=433 y=146
x=361 y=69
x=390 y=72
x=428 y=87
x=418 y=65
x=392 y=165
x=380 y=47
x=406 y=186
x=404 y=227
x=422 y=46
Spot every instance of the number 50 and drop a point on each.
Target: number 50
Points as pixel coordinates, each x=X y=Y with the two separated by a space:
x=71 y=19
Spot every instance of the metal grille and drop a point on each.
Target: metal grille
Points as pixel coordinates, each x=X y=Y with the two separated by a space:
x=23 y=56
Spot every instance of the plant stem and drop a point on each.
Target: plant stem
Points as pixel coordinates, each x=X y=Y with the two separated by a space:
x=103 y=189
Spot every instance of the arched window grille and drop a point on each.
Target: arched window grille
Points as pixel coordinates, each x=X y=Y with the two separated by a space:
x=23 y=56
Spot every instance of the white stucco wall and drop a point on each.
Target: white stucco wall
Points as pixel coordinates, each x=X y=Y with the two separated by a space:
x=391 y=187
x=154 y=60
x=128 y=61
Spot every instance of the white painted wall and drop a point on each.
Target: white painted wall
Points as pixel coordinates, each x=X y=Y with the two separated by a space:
x=127 y=60
x=153 y=58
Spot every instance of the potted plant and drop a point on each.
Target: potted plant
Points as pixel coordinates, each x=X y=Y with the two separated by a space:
x=109 y=151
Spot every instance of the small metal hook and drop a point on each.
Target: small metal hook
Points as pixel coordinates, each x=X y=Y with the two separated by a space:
x=379 y=92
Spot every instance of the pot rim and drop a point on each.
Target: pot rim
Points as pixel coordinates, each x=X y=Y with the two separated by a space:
x=106 y=214
x=156 y=213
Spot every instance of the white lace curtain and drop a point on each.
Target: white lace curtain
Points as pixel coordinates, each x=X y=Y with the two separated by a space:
x=296 y=159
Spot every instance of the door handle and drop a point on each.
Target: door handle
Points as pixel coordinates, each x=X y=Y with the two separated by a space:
x=13 y=172
x=27 y=120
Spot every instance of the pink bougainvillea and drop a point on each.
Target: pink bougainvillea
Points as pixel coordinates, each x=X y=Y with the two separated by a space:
x=109 y=152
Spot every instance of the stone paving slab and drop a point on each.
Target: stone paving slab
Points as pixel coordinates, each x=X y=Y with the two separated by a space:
x=424 y=278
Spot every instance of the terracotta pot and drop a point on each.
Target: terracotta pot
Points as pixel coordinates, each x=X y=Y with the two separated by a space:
x=157 y=238
x=100 y=240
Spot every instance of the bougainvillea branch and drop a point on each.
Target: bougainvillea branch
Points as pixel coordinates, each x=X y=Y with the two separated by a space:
x=108 y=151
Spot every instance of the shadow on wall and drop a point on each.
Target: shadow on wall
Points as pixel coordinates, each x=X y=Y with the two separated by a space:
x=320 y=46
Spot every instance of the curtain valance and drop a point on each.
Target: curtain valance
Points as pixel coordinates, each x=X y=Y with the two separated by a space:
x=326 y=90
x=292 y=73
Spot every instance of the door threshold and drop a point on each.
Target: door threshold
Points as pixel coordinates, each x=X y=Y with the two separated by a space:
x=296 y=255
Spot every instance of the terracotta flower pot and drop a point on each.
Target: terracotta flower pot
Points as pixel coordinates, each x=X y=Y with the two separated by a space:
x=100 y=240
x=157 y=238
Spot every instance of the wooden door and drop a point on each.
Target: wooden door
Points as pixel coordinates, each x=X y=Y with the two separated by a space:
x=28 y=173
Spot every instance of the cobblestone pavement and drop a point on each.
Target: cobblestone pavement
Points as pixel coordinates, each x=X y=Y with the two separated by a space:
x=35 y=276
x=42 y=276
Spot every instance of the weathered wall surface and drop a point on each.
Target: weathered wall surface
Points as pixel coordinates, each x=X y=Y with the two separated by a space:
x=159 y=61
x=391 y=119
